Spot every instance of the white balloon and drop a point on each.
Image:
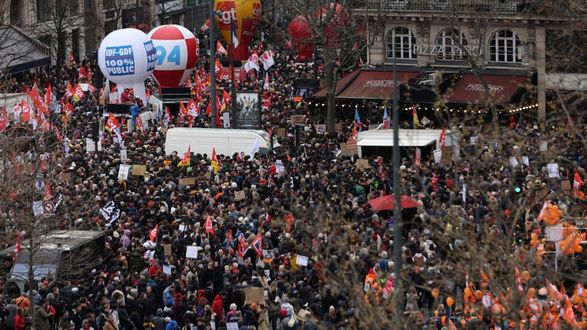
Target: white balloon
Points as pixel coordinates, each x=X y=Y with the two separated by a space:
x=127 y=56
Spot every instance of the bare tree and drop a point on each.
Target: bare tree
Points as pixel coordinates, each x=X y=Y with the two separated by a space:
x=63 y=17
x=339 y=37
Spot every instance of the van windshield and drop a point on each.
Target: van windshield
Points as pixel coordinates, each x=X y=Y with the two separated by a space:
x=21 y=270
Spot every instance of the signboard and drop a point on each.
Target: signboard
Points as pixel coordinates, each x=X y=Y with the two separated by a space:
x=363 y=164
x=187 y=181
x=139 y=170
x=281 y=132
x=348 y=149
x=254 y=295
x=239 y=195
x=248 y=106
x=297 y=119
x=123 y=172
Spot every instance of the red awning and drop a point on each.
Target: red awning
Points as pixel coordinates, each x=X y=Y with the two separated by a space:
x=469 y=89
x=341 y=84
x=375 y=84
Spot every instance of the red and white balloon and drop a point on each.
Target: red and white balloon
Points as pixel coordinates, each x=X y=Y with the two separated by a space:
x=177 y=54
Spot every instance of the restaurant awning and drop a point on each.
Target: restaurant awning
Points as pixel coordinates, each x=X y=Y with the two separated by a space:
x=369 y=84
x=341 y=84
x=19 y=53
x=470 y=89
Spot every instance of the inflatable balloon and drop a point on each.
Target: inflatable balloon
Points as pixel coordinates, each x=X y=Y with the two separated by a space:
x=127 y=57
x=301 y=33
x=177 y=54
x=246 y=15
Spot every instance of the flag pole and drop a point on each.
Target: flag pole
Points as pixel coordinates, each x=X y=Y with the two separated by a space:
x=397 y=213
x=212 y=65
x=232 y=84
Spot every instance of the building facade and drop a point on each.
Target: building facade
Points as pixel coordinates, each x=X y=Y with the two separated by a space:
x=80 y=25
x=497 y=35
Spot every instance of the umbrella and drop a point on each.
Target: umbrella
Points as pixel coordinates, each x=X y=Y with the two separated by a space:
x=386 y=203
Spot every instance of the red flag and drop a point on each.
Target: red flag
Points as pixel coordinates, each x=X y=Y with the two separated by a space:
x=218 y=66
x=205 y=27
x=112 y=123
x=3 y=119
x=208 y=228
x=242 y=246
x=214 y=161
x=258 y=244
x=442 y=139
x=353 y=138
x=68 y=107
x=78 y=93
x=220 y=49
x=25 y=115
x=154 y=233
x=185 y=161
x=578 y=181
x=48 y=95
x=183 y=111
x=70 y=90
x=140 y=123
x=229 y=236
x=17 y=248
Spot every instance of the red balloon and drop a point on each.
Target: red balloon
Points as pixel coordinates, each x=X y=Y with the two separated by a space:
x=301 y=34
x=336 y=21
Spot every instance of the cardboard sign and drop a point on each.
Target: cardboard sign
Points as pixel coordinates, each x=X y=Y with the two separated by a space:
x=553 y=170
x=447 y=155
x=349 y=149
x=123 y=155
x=239 y=195
x=302 y=260
x=123 y=170
x=543 y=146
x=320 y=128
x=281 y=132
x=191 y=252
x=167 y=250
x=437 y=156
x=187 y=181
x=90 y=145
x=363 y=164
x=139 y=170
x=66 y=176
x=297 y=119
x=254 y=295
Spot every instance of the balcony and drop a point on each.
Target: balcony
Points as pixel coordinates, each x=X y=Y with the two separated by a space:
x=514 y=7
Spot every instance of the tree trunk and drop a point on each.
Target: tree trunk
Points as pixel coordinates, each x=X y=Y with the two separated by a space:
x=31 y=274
x=61 y=45
x=330 y=76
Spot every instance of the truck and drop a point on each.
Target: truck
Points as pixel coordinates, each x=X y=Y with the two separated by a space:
x=62 y=254
x=226 y=142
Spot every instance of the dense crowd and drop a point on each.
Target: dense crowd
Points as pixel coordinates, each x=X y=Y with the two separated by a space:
x=314 y=206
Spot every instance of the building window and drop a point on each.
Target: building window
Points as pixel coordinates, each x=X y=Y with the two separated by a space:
x=400 y=44
x=503 y=47
x=42 y=10
x=74 y=7
x=450 y=44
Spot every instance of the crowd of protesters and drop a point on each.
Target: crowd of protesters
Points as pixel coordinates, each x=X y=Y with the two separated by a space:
x=314 y=205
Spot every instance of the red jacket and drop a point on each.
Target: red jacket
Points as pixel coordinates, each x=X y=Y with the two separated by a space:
x=18 y=322
x=218 y=307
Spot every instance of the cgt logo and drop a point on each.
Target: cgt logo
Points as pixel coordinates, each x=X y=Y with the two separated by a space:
x=225 y=12
x=257 y=10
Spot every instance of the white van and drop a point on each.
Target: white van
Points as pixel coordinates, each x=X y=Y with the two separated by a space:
x=227 y=142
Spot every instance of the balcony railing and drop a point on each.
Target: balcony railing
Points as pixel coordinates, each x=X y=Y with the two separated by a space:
x=521 y=7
